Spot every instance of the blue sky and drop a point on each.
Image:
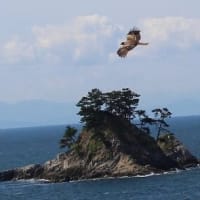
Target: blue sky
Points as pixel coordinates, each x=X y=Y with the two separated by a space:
x=56 y=51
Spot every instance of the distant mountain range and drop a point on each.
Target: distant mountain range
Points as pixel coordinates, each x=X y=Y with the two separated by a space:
x=37 y=113
x=44 y=113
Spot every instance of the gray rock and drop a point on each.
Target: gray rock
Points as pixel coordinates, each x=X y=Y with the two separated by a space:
x=176 y=151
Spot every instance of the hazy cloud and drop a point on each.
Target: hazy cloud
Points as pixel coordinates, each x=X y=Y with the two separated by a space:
x=177 y=32
x=85 y=40
x=15 y=51
x=93 y=39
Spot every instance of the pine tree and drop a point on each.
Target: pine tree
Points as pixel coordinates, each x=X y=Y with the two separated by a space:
x=69 y=137
x=160 y=119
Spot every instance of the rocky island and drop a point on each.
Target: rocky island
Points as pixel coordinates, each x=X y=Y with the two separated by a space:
x=110 y=145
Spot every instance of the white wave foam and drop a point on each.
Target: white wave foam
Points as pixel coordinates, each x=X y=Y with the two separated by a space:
x=34 y=180
x=147 y=175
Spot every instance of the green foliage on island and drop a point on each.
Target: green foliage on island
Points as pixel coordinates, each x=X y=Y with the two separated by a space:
x=160 y=122
x=69 y=137
x=121 y=104
x=166 y=142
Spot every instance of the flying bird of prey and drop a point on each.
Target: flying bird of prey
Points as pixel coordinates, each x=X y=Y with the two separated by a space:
x=132 y=40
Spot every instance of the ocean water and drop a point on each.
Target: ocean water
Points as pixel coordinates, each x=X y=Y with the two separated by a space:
x=22 y=146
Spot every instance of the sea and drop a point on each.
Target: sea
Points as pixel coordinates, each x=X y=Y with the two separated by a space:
x=23 y=146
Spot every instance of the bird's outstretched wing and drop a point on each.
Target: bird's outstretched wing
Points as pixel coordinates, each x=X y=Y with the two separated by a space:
x=122 y=51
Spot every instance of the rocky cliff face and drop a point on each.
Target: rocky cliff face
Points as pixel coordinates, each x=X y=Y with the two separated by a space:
x=176 y=151
x=115 y=149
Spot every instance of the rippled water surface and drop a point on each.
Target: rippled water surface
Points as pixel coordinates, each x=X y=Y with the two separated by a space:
x=19 y=147
x=182 y=185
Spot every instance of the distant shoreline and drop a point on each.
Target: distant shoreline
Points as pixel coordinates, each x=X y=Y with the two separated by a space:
x=78 y=123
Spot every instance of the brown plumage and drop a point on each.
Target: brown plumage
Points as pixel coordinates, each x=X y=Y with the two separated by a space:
x=132 y=40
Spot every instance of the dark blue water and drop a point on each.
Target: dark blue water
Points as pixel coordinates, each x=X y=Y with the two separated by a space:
x=23 y=146
x=19 y=147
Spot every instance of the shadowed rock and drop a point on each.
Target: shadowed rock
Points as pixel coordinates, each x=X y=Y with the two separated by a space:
x=176 y=151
